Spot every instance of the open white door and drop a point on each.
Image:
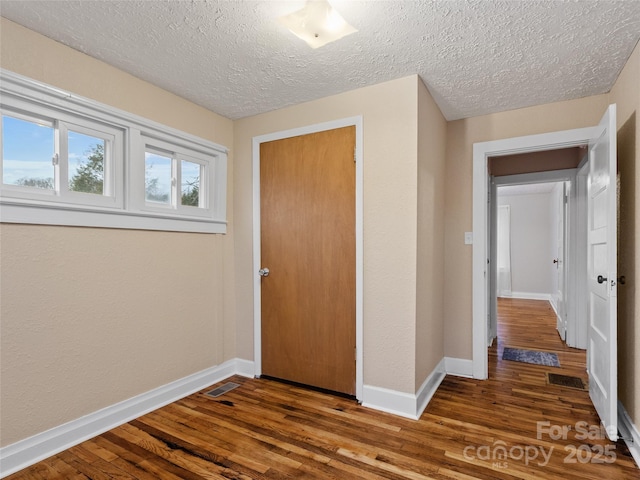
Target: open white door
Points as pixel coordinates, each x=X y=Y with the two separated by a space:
x=492 y=212
x=602 y=279
x=561 y=287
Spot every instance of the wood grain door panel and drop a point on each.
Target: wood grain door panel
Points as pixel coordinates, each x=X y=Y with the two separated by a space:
x=307 y=211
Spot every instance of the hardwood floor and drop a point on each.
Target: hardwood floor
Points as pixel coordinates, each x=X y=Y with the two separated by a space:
x=269 y=430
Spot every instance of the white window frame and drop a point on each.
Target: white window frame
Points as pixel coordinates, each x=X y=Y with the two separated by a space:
x=127 y=136
x=177 y=153
x=113 y=168
x=62 y=122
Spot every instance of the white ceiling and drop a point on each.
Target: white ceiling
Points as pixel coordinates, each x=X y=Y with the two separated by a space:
x=476 y=57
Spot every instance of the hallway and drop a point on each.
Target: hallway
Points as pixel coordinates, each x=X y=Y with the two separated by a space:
x=531 y=325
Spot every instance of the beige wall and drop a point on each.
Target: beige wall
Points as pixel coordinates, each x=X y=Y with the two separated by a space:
x=91 y=317
x=626 y=95
x=390 y=116
x=461 y=135
x=432 y=129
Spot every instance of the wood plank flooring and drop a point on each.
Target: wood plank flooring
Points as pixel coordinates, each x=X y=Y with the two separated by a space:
x=470 y=430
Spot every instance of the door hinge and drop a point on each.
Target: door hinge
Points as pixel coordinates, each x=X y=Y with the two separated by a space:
x=355 y=155
x=355 y=353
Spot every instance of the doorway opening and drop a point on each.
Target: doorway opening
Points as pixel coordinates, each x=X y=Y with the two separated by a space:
x=600 y=281
x=534 y=259
x=531 y=253
x=533 y=197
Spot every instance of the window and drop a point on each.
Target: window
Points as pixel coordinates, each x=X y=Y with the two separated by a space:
x=88 y=163
x=67 y=160
x=162 y=173
x=191 y=173
x=158 y=178
x=45 y=154
x=177 y=179
x=28 y=167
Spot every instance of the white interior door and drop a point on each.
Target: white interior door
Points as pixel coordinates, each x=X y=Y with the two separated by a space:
x=492 y=209
x=559 y=260
x=601 y=273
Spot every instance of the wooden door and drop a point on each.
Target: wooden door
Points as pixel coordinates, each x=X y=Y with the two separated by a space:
x=307 y=216
x=602 y=313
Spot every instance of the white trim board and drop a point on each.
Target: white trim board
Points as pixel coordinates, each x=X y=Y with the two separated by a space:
x=404 y=404
x=629 y=433
x=460 y=367
x=257 y=298
x=26 y=452
x=531 y=296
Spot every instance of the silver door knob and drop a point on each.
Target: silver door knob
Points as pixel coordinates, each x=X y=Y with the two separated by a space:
x=263 y=272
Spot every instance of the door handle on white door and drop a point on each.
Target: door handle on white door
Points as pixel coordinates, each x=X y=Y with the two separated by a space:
x=263 y=272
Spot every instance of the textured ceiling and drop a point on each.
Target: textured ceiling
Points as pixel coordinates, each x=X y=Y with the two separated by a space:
x=476 y=57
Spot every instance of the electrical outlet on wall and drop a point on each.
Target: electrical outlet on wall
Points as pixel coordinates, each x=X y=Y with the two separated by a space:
x=468 y=238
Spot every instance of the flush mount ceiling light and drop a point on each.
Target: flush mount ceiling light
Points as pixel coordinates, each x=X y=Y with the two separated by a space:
x=318 y=23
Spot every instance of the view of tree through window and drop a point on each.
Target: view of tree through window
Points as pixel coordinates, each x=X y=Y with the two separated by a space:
x=157 y=178
x=190 y=184
x=28 y=152
x=87 y=173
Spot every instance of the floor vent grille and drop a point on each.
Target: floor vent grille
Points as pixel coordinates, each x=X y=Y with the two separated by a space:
x=216 y=392
x=565 y=381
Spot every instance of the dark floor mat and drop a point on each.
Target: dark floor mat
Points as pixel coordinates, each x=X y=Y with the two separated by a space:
x=530 y=356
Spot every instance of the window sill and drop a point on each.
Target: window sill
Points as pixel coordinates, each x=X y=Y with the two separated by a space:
x=82 y=217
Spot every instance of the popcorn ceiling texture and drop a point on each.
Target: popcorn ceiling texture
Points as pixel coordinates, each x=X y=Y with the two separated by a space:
x=476 y=57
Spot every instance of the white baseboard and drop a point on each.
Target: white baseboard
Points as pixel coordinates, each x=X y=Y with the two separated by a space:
x=245 y=368
x=429 y=387
x=390 y=401
x=26 y=452
x=554 y=304
x=400 y=403
x=460 y=367
x=629 y=433
x=532 y=296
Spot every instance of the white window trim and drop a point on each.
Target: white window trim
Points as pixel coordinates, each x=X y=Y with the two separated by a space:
x=129 y=211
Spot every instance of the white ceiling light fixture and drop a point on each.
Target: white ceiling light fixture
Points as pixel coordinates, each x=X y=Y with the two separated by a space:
x=318 y=23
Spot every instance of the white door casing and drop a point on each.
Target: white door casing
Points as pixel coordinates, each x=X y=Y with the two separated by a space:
x=481 y=152
x=602 y=274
